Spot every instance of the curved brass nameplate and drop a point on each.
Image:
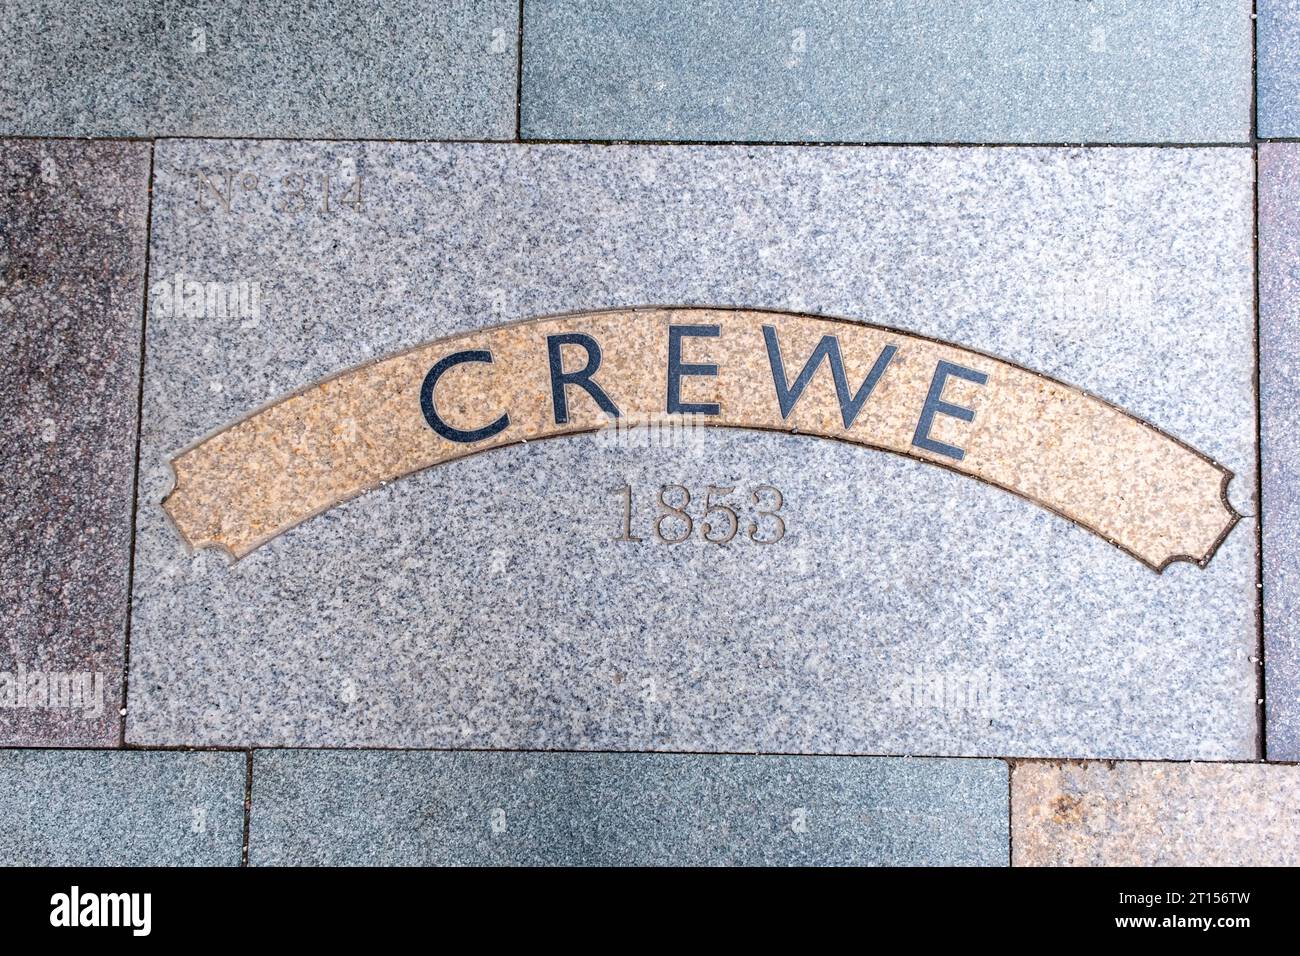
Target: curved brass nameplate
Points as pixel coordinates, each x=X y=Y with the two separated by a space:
x=1066 y=450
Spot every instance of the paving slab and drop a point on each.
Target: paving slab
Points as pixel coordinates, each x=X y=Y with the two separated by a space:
x=339 y=808
x=121 y=808
x=502 y=600
x=1154 y=814
x=71 y=300
x=1279 y=388
x=1278 y=67
x=391 y=68
x=919 y=71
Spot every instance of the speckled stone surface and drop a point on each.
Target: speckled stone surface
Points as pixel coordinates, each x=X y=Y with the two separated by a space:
x=332 y=68
x=1155 y=814
x=1279 y=356
x=121 y=808
x=906 y=609
x=71 y=294
x=1278 y=67
x=1044 y=71
x=411 y=808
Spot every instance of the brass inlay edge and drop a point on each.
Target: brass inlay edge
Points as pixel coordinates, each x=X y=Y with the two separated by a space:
x=1056 y=445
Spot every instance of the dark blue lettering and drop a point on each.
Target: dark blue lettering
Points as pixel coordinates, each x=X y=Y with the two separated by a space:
x=431 y=414
x=934 y=404
x=829 y=349
x=676 y=370
x=582 y=379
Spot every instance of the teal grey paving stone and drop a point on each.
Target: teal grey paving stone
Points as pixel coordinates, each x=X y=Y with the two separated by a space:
x=121 y=808
x=1278 y=67
x=340 y=808
x=72 y=247
x=484 y=604
x=1279 y=392
x=976 y=71
x=333 y=68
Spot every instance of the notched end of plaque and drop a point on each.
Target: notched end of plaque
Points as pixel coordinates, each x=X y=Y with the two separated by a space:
x=1218 y=516
x=186 y=516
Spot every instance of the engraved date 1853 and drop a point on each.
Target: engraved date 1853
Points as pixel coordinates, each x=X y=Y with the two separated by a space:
x=711 y=514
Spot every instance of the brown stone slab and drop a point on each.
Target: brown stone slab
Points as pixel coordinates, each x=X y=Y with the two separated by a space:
x=72 y=258
x=1056 y=445
x=1154 y=814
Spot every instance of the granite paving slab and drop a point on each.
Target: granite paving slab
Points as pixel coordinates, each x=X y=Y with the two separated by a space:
x=554 y=595
x=1278 y=67
x=121 y=808
x=331 y=68
x=1279 y=388
x=422 y=808
x=977 y=71
x=72 y=245
x=1154 y=814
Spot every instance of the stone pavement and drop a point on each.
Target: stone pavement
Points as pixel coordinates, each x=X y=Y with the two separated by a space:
x=1011 y=581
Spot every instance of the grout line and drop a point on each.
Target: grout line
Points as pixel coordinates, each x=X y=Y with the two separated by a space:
x=139 y=429
x=1011 y=838
x=69 y=138
x=248 y=807
x=519 y=77
x=519 y=139
x=1261 y=707
x=928 y=144
x=370 y=748
x=1254 y=72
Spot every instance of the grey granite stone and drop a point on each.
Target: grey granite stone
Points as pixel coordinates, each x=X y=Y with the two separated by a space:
x=422 y=808
x=979 y=71
x=485 y=603
x=331 y=68
x=1279 y=391
x=1278 y=67
x=71 y=295
x=1154 y=814
x=121 y=808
